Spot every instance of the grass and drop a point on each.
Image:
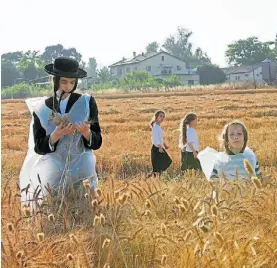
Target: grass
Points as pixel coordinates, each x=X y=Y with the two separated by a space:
x=175 y=221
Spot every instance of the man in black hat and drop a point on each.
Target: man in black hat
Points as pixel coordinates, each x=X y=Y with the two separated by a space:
x=65 y=130
x=65 y=73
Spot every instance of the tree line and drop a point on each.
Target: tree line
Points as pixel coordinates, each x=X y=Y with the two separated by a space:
x=28 y=66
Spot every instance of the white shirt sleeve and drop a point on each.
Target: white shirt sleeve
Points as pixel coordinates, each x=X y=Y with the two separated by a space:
x=190 y=135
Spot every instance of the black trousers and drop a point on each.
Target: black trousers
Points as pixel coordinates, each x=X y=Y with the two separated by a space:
x=188 y=162
x=160 y=161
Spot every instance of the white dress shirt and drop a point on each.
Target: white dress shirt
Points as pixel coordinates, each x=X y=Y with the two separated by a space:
x=192 y=137
x=157 y=135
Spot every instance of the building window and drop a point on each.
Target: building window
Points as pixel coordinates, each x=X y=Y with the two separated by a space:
x=237 y=77
x=166 y=70
x=178 y=68
x=119 y=72
x=246 y=75
x=162 y=58
x=190 y=82
x=127 y=70
x=258 y=75
x=148 y=68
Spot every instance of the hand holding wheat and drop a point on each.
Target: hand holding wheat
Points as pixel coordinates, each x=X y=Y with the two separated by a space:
x=64 y=130
x=60 y=131
x=83 y=128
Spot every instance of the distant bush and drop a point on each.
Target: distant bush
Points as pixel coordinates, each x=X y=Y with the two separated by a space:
x=23 y=91
x=139 y=80
x=136 y=82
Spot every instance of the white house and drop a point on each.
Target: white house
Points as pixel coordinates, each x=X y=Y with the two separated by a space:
x=159 y=64
x=244 y=73
x=265 y=72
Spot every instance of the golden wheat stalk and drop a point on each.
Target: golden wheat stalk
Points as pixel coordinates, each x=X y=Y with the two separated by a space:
x=257 y=183
x=248 y=167
x=26 y=211
x=182 y=208
x=204 y=228
x=102 y=219
x=74 y=239
x=70 y=257
x=122 y=200
x=10 y=227
x=163 y=229
x=96 y=221
x=147 y=204
x=51 y=217
x=197 y=205
x=86 y=184
x=147 y=213
x=202 y=212
x=94 y=203
x=188 y=236
x=214 y=210
x=177 y=200
x=106 y=243
x=205 y=247
x=185 y=203
x=163 y=260
x=40 y=237
x=20 y=254
x=219 y=237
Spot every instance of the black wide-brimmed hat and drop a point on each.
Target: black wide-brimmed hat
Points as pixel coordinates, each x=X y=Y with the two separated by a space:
x=65 y=67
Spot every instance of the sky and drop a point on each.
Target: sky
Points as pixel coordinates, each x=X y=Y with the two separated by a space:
x=111 y=29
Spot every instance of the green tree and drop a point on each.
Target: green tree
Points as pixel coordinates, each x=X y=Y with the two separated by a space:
x=138 y=80
x=8 y=74
x=13 y=57
x=72 y=53
x=274 y=48
x=202 y=57
x=104 y=75
x=138 y=76
x=211 y=74
x=152 y=47
x=248 y=51
x=179 y=45
x=30 y=57
x=91 y=69
x=30 y=72
x=83 y=64
x=52 y=52
x=9 y=68
x=173 y=81
x=31 y=65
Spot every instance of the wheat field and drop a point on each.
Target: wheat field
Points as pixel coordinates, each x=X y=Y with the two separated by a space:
x=173 y=221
